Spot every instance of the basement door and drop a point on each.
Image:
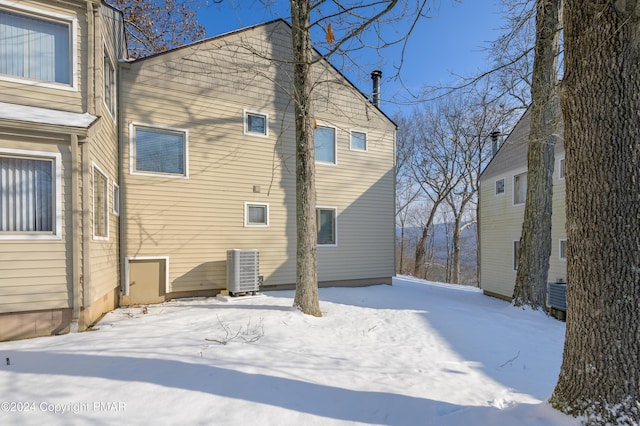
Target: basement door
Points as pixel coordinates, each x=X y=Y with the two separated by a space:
x=147 y=281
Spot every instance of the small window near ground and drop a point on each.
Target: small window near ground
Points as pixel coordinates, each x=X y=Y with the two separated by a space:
x=516 y=254
x=116 y=199
x=160 y=151
x=256 y=124
x=28 y=192
x=561 y=168
x=325 y=144
x=520 y=188
x=563 y=249
x=100 y=204
x=256 y=214
x=358 y=141
x=326 y=221
x=500 y=187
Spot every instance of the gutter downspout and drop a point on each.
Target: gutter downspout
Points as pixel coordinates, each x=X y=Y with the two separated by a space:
x=76 y=236
x=89 y=75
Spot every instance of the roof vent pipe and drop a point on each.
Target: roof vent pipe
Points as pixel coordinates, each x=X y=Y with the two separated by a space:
x=375 y=95
x=494 y=142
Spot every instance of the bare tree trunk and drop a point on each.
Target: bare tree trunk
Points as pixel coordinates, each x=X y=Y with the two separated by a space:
x=535 y=242
x=421 y=247
x=599 y=377
x=306 y=297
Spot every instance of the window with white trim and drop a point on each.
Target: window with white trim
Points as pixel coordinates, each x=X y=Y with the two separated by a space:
x=500 y=186
x=326 y=222
x=159 y=151
x=256 y=214
x=520 y=188
x=562 y=249
x=100 y=204
x=256 y=123
x=109 y=76
x=35 y=47
x=358 y=141
x=561 y=168
x=30 y=187
x=116 y=199
x=325 y=144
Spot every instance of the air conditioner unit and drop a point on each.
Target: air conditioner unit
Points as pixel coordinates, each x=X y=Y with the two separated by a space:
x=242 y=271
x=557 y=296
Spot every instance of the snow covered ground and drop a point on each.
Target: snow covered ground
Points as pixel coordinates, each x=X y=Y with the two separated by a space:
x=414 y=353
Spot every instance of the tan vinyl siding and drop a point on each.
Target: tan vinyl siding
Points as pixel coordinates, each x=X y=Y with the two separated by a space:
x=39 y=95
x=34 y=274
x=194 y=221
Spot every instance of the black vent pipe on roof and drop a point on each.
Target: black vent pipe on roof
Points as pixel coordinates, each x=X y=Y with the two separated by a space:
x=375 y=95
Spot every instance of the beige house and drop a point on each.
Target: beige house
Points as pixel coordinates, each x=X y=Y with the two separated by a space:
x=127 y=182
x=503 y=186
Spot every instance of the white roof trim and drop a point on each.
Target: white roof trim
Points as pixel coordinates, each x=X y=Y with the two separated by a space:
x=45 y=116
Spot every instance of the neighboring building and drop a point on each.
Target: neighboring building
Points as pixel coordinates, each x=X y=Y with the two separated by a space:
x=503 y=186
x=127 y=182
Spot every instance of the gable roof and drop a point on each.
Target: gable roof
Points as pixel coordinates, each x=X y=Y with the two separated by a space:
x=513 y=152
x=252 y=27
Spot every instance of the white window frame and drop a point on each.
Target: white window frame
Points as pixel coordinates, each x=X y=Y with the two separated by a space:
x=248 y=224
x=132 y=151
x=246 y=131
x=111 y=109
x=366 y=140
x=56 y=233
x=335 y=145
x=561 y=169
x=335 y=225
x=514 y=192
x=504 y=187
x=515 y=248
x=116 y=199
x=71 y=21
x=562 y=240
x=97 y=168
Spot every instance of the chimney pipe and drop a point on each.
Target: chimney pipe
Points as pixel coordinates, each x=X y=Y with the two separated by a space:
x=375 y=95
x=494 y=142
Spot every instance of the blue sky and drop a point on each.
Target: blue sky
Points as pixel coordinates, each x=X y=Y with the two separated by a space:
x=452 y=41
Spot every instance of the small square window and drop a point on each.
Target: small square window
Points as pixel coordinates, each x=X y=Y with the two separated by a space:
x=563 y=249
x=358 y=141
x=256 y=124
x=116 y=199
x=256 y=214
x=326 y=221
x=500 y=187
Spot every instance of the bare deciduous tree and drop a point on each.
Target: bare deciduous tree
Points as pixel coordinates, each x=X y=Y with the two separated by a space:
x=535 y=242
x=155 y=26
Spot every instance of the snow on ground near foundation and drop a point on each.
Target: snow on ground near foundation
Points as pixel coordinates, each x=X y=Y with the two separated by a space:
x=414 y=353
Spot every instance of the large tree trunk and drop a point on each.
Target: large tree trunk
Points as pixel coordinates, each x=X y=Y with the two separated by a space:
x=535 y=242
x=600 y=374
x=306 y=297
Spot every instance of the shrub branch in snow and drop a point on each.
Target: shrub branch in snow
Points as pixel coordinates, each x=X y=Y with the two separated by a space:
x=250 y=333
